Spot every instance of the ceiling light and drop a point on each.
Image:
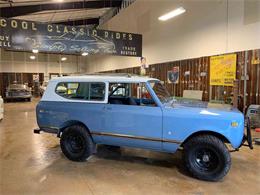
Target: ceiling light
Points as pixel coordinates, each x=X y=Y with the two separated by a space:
x=35 y=51
x=63 y=59
x=84 y=54
x=172 y=14
x=32 y=57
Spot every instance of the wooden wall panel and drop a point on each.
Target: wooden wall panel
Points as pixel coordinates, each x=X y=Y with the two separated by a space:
x=257 y=56
x=196 y=81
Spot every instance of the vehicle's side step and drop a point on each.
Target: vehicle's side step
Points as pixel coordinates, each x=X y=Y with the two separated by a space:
x=47 y=130
x=37 y=131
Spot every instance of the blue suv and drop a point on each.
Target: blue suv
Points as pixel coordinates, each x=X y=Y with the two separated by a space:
x=133 y=111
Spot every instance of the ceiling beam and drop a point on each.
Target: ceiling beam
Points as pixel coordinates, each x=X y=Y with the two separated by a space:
x=90 y=21
x=14 y=11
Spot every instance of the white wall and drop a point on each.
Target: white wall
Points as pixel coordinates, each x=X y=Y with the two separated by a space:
x=208 y=27
x=11 y=61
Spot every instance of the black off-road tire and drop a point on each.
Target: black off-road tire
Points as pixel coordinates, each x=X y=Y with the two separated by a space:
x=76 y=143
x=211 y=149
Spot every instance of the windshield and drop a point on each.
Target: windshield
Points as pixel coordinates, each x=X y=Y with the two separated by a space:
x=161 y=91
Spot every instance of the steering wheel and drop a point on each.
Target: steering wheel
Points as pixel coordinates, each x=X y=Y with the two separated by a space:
x=112 y=92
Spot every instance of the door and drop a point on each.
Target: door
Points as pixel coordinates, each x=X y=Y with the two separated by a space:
x=132 y=121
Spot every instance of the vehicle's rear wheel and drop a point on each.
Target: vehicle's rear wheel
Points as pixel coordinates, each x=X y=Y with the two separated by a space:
x=76 y=143
x=207 y=157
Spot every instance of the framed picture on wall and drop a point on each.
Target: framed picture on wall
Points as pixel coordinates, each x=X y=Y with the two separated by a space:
x=173 y=75
x=36 y=78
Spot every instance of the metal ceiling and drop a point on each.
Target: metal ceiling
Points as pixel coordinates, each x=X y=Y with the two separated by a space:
x=68 y=12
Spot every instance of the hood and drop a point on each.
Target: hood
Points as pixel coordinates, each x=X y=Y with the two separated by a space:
x=189 y=103
x=200 y=110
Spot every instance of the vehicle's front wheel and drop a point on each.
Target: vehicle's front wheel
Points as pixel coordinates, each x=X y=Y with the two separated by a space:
x=207 y=157
x=76 y=143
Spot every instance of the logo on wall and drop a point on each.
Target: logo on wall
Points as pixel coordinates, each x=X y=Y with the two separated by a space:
x=26 y=35
x=173 y=75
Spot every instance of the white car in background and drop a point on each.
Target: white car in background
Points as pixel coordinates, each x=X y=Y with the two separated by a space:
x=18 y=91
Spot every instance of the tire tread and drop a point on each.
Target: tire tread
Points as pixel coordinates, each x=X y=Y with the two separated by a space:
x=213 y=141
x=89 y=142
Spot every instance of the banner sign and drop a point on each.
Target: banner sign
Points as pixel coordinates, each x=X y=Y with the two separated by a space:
x=223 y=69
x=26 y=35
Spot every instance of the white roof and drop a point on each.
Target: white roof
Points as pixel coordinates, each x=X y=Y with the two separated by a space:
x=103 y=78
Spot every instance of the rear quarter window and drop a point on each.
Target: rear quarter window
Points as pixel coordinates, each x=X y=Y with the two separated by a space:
x=81 y=91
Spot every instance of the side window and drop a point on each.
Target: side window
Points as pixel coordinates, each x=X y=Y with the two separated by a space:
x=118 y=89
x=67 y=90
x=81 y=91
x=130 y=94
x=145 y=96
x=97 y=91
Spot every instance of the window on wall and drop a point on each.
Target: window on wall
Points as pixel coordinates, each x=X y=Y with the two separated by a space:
x=82 y=91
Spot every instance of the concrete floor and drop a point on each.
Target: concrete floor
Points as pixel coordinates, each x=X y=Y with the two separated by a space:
x=34 y=164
